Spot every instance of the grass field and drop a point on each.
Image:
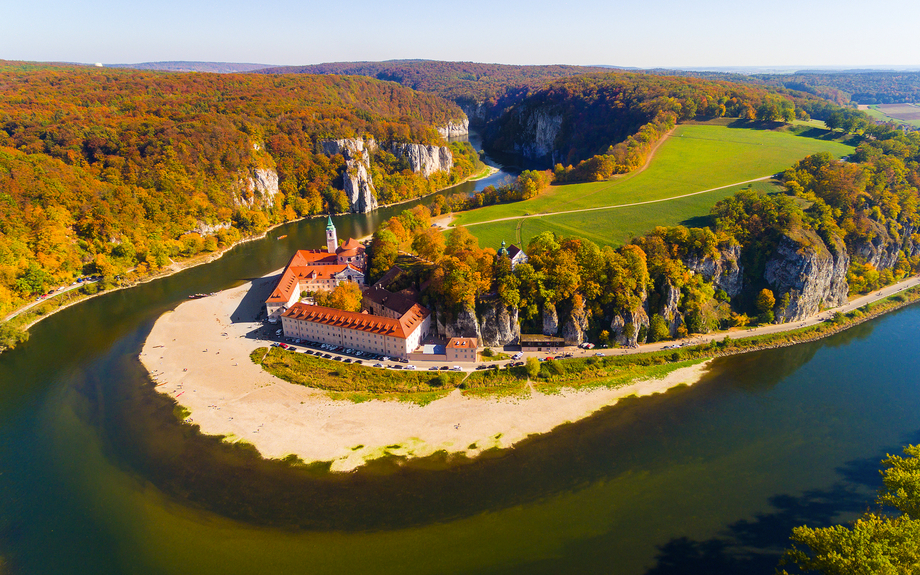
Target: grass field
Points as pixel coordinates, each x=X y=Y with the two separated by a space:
x=901 y=113
x=696 y=157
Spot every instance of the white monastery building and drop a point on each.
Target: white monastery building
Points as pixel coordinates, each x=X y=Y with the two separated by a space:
x=362 y=331
x=315 y=270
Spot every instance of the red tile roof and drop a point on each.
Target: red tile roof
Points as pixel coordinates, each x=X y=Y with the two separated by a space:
x=462 y=343
x=400 y=328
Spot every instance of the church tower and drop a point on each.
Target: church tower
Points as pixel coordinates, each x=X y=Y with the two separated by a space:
x=332 y=240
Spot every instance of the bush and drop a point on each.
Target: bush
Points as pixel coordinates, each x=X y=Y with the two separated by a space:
x=11 y=336
x=89 y=289
x=487 y=352
x=658 y=329
x=532 y=366
x=766 y=317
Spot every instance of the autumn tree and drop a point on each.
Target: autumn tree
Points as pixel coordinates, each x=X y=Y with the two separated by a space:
x=345 y=296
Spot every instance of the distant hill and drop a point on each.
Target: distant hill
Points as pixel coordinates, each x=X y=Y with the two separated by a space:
x=470 y=84
x=215 y=67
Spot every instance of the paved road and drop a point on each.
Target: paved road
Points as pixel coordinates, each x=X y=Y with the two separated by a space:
x=47 y=298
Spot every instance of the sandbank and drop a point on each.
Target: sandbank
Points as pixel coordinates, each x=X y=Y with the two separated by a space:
x=198 y=354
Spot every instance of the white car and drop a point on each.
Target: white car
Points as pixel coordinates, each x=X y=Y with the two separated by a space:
x=456 y=368
x=410 y=367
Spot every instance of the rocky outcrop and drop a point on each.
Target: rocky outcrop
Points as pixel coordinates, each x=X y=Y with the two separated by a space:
x=499 y=325
x=812 y=275
x=722 y=270
x=550 y=320
x=637 y=318
x=356 y=180
x=455 y=129
x=882 y=251
x=575 y=325
x=463 y=324
x=204 y=229
x=669 y=311
x=258 y=189
x=425 y=159
x=477 y=112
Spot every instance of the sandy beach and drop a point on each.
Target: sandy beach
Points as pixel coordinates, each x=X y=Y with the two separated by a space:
x=198 y=354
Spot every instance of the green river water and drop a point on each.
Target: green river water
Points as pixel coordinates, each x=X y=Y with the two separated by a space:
x=97 y=476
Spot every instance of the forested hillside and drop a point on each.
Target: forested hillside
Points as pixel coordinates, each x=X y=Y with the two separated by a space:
x=862 y=87
x=104 y=170
x=470 y=84
x=612 y=120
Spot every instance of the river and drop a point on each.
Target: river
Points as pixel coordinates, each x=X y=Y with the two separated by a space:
x=98 y=476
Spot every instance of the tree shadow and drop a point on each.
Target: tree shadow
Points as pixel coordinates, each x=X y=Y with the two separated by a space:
x=698 y=221
x=756 y=545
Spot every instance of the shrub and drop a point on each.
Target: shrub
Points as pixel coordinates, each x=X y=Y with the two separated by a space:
x=533 y=366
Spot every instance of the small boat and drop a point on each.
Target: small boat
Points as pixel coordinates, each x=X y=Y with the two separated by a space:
x=198 y=296
x=282 y=237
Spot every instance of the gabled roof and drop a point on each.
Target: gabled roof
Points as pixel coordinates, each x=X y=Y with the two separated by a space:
x=462 y=343
x=513 y=251
x=399 y=302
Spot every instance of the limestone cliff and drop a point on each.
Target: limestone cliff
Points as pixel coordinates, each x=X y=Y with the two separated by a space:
x=721 y=270
x=669 y=311
x=550 y=320
x=499 y=325
x=356 y=180
x=637 y=318
x=813 y=276
x=455 y=129
x=425 y=159
x=461 y=324
x=884 y=248
x=258 y=188
x=576 y=324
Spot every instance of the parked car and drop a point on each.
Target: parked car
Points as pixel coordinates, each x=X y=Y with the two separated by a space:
x=456 y=368
x=433 y=368
x=444 y=367
x=378 y=365
x=283 y=345
x=410 y=367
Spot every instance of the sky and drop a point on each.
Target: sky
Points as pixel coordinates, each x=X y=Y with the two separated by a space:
x=642 y=34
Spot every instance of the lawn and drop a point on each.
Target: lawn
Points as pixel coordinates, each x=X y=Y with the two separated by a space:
x=614 y=226
x=695 y=158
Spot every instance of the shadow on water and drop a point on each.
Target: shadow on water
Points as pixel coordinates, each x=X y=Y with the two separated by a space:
x=755 y=546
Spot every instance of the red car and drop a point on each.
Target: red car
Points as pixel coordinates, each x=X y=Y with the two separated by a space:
x=283 y=345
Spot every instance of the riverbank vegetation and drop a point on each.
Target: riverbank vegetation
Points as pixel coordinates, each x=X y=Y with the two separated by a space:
x=117 y=172
x=356 y=382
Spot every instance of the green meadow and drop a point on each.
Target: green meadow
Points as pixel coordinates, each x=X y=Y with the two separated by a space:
x=907 y=114
x=697 y=157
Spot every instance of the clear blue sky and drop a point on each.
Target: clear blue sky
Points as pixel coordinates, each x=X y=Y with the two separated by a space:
x=651 y=33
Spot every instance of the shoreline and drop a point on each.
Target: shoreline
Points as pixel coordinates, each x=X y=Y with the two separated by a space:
x=208 y=372
x=206 y=368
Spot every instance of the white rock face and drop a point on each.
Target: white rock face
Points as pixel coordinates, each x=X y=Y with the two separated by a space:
x=812 y=275
x=259 y=188
x=425 y=159
x=455 y=129
x=356 y=181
